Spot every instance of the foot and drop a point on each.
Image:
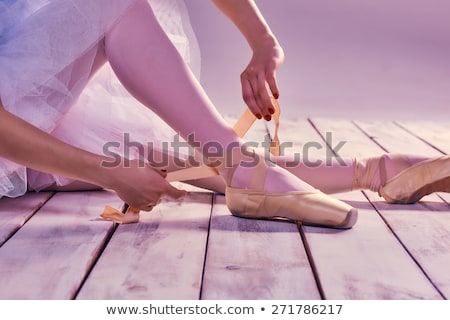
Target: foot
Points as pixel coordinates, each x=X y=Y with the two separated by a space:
x=417 y=181
x=373 y=173
x=259 y=189
x=276 y=179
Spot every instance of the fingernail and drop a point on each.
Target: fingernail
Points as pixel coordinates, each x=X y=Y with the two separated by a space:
x=271 y=110
x=259 y=116
x=276 y=95
x=268 y=118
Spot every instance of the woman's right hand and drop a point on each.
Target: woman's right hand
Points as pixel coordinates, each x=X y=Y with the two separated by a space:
x=137 y=184
x=260 y=76
x=141 y=186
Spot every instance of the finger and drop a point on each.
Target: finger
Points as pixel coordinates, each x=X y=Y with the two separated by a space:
x=273 y=85
x=263 y=97
x=249 y=97
x=173 y=192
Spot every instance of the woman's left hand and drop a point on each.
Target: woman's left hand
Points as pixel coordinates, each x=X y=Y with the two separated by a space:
x=259 y=79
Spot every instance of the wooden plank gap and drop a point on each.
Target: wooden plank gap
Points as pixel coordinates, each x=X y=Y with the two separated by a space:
x=446 y=200
x=161 y=257
x=321 y=136
x=213 y=200
x=418 y=137
x=98 y=254
x=354 y=124
x=311 y=262
x=404 y=246
x=13 y=232
x=368 y=135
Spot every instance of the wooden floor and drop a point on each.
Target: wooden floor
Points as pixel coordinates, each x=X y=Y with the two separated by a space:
x=54 y=246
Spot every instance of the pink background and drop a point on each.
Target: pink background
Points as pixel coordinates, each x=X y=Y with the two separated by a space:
x=384 y=59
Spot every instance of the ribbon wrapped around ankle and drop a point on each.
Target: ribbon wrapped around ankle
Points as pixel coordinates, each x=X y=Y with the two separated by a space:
x=241 y=127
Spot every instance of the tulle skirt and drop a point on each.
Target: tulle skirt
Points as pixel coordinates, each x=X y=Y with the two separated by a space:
x=39 y=42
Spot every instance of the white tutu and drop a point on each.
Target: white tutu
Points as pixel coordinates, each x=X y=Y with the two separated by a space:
x=37 y=48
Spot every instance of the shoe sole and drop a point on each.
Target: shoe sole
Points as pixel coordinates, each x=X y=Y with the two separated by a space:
x=331 y=213
x=348 y=223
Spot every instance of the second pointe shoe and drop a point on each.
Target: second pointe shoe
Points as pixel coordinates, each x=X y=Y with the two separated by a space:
x=417 y=181
x=307 y=207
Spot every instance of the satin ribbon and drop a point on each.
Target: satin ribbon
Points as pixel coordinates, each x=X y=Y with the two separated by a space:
x=241 y=127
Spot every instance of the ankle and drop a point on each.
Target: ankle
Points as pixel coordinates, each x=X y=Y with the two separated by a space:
x=372 y=173
x=367 y=174
x=242 y=169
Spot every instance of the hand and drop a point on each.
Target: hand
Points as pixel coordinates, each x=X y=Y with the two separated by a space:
x=142 y=186
x=259 y=77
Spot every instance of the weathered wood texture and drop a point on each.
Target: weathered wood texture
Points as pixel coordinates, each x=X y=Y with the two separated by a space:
x=49 y=256
x=14 y=213
x=255 y=259
x=159 y=258
x=57 y=247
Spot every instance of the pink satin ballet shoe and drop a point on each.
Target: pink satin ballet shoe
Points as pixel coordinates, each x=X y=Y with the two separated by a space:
x=417 y=181
x=307 y=207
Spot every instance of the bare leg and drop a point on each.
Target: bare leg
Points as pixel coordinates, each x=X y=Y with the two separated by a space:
x=333 y=178
x=213 y=183
x=329 y=178
x=351 y=173
x=149 y=66
x=153 y=72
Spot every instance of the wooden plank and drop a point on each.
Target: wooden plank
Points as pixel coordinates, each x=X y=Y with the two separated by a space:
x=370 y=238
x=367 y=261
x=355 y=143
x=406 y=221
x=385 y=136
x=435 y=133
x=161 y=257
x=394 y=139
x=49 y=256
x=296 y=136
x=15 y=212
x=445 y=197
x=255 y=259
x=304 y=139
x=415 y=141
x=424 y=228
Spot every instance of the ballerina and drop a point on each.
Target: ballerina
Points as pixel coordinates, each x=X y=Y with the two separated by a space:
x=69 y=50
x=48 y=53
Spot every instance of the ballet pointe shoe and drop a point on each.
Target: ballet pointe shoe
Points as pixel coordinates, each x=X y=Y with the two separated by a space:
x=417 y=181
x=310 y=207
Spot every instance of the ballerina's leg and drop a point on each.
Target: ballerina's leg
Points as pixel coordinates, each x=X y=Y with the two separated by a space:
x=149 y=66
x=151 y=69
